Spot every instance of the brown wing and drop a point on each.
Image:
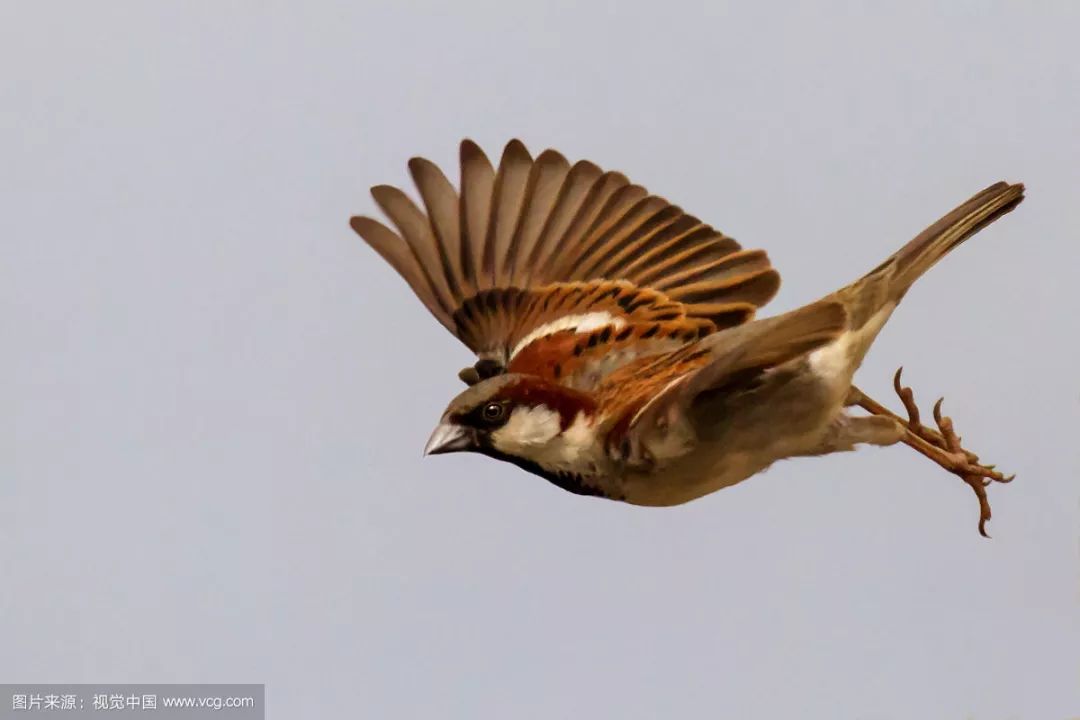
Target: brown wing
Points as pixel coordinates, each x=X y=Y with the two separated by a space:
x=539 y=258
x=652 y=394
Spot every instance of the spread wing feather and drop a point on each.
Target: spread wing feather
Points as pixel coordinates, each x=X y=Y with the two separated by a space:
x=538 y=251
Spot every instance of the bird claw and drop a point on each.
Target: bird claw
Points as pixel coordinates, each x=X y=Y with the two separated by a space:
x=944 y=447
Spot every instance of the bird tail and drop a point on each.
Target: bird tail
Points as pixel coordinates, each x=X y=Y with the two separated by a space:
x=923 y=252
x=884 y=286
x=871 y=299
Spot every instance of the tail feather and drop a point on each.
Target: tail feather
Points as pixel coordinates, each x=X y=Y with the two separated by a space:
x=933 y=243
x=871 y=299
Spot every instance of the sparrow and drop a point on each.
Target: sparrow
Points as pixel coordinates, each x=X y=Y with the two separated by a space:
x=618 y=354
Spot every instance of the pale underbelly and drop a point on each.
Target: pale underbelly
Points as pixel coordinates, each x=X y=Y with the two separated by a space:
x=681 y=484
x=707 y=470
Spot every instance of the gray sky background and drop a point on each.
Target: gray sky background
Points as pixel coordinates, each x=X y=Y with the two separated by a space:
x=215 y=396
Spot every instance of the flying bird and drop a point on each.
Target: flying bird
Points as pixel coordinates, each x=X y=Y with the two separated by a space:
x=617 y=350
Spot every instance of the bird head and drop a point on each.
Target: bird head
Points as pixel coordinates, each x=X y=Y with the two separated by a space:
x=536 y=424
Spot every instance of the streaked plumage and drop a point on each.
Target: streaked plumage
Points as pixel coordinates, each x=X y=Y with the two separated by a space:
x=533 y=243
x=617 y=351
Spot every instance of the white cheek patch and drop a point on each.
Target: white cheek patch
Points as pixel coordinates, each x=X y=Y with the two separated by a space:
x=527 y=428
x=536 y=434
x=580 y=432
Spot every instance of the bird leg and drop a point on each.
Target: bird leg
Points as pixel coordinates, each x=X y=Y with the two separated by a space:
x=941 y=445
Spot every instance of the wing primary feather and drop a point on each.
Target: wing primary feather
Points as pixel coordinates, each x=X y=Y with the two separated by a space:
x=401 y=257
x=477 y=181
x=605 y=186
x=756 y=287
x=546 y=179
x=684 y=260
x=413 y=225
x=649 y=216
x=509 y=191
x=703 y=261
x=674 y=224
x=613 y=215
x=573 y=193
x=443 y=209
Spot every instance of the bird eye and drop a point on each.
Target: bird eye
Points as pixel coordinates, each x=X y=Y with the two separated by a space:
x=493 y=411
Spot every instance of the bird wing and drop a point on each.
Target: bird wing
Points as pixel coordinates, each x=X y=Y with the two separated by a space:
x=657 y=393
x=547 y=267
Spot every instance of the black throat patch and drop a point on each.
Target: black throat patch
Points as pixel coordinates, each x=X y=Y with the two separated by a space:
x=570 y=482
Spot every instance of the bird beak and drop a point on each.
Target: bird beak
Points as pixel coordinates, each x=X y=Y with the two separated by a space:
x=448 y=438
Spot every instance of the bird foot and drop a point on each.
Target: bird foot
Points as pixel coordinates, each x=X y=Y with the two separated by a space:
x=943 y=446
